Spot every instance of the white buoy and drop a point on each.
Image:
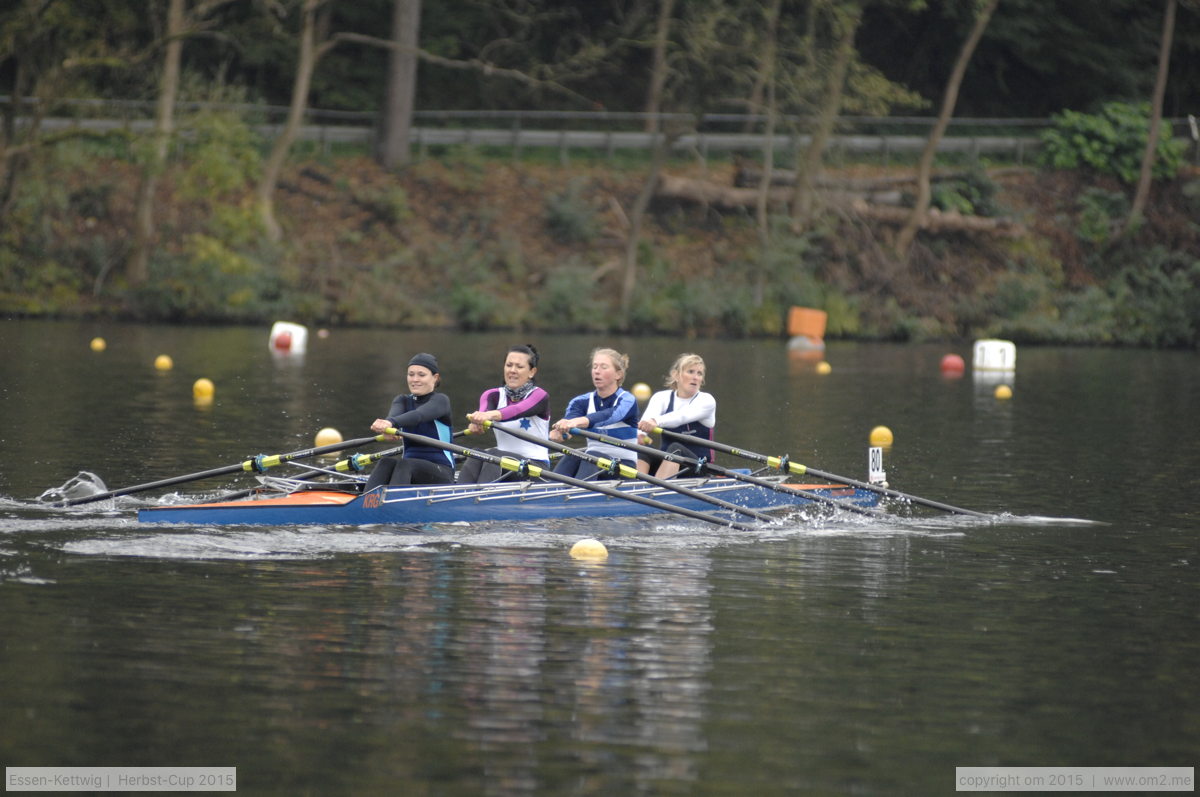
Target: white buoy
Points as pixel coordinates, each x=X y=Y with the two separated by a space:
x=288 y=337
x=995 y=355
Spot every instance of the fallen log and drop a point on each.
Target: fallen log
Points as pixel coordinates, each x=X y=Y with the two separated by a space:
x=879 y=207
x=747 y=177
x=704 y=192
x=938 y=220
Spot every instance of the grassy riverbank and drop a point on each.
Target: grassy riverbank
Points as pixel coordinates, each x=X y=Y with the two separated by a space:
x=465 y=240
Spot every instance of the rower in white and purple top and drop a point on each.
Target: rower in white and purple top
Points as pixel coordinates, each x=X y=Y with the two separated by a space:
x=520 y=404
x=609 y=409
x=682 y=408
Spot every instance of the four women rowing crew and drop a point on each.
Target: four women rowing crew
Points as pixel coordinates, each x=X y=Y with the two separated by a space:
x=518 y=412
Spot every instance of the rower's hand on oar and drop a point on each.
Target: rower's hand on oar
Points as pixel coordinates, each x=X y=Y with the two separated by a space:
x=562 y=427
x=480 y=420
x=381 y=426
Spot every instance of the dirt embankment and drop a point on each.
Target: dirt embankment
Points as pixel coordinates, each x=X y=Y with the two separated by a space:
x=347 y=221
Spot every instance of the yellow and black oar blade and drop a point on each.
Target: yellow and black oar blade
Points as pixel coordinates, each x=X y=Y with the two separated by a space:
x=732 y=474
x=534 y=471
x=783 y=463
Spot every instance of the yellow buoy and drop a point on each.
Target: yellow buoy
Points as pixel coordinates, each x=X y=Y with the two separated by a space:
x=328 y=436
x=163 y=362
x=881 y=436
x=589 y=549
x=824 y=367
x=202 y=389
x=1003 y=392
x=641 y=391
x=98 y=344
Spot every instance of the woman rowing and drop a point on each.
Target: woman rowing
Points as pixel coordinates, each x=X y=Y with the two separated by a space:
x=520 y=404
x=609 y=409
x=424 y=411
x=683 y=408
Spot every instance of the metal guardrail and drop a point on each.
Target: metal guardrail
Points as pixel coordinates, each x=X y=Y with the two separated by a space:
x=607 y=141
x=606 y=131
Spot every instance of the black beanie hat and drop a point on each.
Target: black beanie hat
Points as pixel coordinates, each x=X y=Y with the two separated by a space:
x=426 y=361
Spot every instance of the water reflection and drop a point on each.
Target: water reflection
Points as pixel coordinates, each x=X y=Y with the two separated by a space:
x=506 y=671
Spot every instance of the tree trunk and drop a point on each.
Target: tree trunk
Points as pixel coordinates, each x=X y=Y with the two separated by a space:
x=761 y=206
x=137 y=267
x=265 y=195
x=1156 y=110
x=662 y=145
x=658 y=72
x=402 y=84
x=11 y=163
x=916 y=219
x=803 y=202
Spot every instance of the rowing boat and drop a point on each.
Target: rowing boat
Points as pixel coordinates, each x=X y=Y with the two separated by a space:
x=320 y=504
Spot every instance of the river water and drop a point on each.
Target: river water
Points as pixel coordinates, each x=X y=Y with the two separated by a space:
x=837 y=655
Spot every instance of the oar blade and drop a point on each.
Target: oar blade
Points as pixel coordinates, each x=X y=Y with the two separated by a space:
x=783 y=463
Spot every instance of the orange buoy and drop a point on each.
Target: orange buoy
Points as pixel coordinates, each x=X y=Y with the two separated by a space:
x=953 y=365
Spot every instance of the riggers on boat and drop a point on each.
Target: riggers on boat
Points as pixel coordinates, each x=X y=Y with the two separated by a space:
x=316 y=504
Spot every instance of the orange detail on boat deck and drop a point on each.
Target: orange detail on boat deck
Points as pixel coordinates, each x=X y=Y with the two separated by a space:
x=312 y=498
x=830 y=489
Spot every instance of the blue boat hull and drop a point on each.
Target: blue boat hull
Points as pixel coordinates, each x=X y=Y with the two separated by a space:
x=484 y=503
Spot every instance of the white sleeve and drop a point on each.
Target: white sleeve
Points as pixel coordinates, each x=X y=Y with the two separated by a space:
x=656 y=405
x=703 y=409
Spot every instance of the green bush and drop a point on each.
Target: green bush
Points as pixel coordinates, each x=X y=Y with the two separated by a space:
x=570 y=218
x=209 y=282
x=220 y=156
x=972 y=194
x=1157 y=302
x=1101 y=214
x=569 y=301
x=1110 y=142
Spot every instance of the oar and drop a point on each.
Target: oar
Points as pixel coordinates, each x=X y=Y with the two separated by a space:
x=523 y=468
x=784 y=464
x=356 y=463
x=256 y=464
x=633 y=473
x=733 y=474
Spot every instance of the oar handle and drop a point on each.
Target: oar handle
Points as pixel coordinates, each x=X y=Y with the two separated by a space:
x=785 y=464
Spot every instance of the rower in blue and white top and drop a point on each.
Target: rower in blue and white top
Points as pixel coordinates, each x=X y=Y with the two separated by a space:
x=422 y=411
x=609 y=409
x=682 y=408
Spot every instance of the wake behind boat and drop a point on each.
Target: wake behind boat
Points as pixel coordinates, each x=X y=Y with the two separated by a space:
x=320 y=504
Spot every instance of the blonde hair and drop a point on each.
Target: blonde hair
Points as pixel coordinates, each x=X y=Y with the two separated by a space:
x=683 y=362
x=619 y=361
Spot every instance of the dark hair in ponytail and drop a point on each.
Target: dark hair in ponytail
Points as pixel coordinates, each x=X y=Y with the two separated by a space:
x=528 y=350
